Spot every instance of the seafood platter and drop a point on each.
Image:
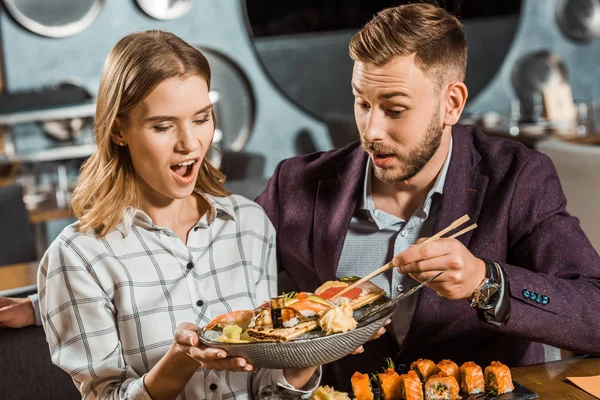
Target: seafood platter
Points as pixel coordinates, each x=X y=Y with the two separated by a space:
x=425 y=380
x=298 y=330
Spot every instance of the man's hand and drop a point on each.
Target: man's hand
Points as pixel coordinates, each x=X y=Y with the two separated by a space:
x=377 y=334
x=16 y=312
x=463 y=272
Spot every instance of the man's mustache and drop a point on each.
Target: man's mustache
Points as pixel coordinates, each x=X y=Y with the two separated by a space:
x=377 y=147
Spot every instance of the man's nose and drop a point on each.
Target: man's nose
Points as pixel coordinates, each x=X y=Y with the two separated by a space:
x=374 y=130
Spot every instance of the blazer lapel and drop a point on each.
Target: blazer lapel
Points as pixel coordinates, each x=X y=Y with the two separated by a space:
x=464 y=191
x=335 y=204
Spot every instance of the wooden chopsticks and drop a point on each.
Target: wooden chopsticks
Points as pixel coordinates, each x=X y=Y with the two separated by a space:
x=389 y=265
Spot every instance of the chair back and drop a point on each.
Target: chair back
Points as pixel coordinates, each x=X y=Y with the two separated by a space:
x=578 y=168
x=17 y=243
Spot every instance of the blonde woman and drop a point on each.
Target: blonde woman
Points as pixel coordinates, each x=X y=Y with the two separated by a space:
x=160 y=246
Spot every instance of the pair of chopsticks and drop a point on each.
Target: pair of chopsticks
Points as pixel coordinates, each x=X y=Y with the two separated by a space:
x=389 y=265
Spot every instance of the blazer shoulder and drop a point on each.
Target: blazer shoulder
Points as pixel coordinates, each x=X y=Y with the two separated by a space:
x=505 y=155
x=320 y=165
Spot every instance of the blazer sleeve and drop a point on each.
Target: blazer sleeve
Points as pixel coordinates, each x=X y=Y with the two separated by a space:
x=553 y=270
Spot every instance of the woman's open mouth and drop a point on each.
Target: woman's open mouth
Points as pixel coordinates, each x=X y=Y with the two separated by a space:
x=184 y=171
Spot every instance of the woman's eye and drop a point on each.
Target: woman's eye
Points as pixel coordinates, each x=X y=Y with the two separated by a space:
x=201 y=121
x=161 y=128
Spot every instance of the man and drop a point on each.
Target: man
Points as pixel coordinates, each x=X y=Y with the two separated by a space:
x=526 y=275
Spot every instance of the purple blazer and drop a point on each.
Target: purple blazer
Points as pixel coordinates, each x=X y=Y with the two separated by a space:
x=514 y=195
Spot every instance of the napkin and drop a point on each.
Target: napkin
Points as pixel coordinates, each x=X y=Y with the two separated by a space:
x=590 y=384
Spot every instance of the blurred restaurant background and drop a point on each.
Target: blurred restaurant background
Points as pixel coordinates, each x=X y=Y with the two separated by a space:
x=281 y=87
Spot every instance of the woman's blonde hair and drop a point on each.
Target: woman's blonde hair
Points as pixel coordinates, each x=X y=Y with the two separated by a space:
x=428 y=31
x=133 y=69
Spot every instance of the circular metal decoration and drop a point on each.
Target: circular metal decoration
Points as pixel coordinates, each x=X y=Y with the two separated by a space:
x=579 y=20
x=234 y=104
x=534 y=71
x=165 y=9
x=54 y=18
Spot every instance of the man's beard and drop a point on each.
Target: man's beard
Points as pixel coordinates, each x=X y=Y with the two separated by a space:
x=417 y=157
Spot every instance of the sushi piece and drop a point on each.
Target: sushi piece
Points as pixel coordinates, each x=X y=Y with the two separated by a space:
x=389 y=382
x=361 y=386
x=449 y=368
x=424 y=368
x=411 y=387
x=471 y=378
x=441 y=387
x=498 y=378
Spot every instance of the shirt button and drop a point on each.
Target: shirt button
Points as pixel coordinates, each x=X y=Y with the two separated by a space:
x=370 y=219
x=403 y=233
x=213 y=386
x=196 y=228
x=200 y=303
x=400 y=288
x=190 y=265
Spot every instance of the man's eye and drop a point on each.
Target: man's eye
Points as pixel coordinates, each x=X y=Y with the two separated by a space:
x=364 y=106
x=395 y=113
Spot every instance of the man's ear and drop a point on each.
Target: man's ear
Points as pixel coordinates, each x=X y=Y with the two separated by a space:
x=116 y=134
x=456 y=98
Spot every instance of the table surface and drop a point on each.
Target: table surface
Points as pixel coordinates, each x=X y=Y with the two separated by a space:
x=549 y=380
x=18 y=275
x=49 y=210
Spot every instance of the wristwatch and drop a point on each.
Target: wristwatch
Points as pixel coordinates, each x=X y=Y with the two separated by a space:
x=487 y=294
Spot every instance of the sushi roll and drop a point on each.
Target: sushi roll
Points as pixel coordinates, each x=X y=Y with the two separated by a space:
x=471 y=378
x=361 y=386
x=441 y=387
x=449 y=368
x=498 y=378
x=389 y=381
x=424 y=369
x=411 y=387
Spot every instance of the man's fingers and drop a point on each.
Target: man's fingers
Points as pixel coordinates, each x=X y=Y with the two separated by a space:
x=358 y=351
x=422 y=251
x=430 y=267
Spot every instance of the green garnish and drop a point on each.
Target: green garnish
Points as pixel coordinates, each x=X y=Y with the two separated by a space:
x=349 y=279
x=390 y=363
x=289 y=296
x=491 y=392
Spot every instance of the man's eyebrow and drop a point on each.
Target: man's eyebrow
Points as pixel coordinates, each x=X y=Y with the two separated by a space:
x=168 y=117
x=389 y=95
x=356 y=89
x=384 y=96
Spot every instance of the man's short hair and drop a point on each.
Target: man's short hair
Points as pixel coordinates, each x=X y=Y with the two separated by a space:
x=428 y=31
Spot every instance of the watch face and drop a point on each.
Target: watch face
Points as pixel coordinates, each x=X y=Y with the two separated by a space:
x=489 y=296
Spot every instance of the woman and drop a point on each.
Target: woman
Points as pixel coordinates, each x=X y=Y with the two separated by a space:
x=160 y=245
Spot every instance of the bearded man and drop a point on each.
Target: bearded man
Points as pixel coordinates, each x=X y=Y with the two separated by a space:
x=527 y=275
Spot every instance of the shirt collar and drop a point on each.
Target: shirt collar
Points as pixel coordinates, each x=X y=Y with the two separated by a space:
x=218 y=208
x=366 y=201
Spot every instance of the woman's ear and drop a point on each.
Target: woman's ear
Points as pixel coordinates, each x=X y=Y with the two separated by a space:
x=116 y=134
x=456 y=99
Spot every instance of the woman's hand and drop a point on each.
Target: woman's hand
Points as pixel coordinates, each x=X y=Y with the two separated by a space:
x=187 y=341
x=377 y=335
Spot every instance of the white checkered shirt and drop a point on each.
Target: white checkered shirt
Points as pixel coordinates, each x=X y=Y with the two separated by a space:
x=110 y=305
